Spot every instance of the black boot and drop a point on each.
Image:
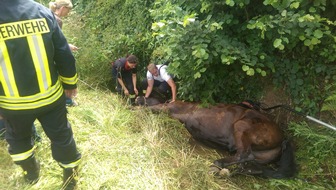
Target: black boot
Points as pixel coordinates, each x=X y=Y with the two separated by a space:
x=70 y=176
x=31 y=168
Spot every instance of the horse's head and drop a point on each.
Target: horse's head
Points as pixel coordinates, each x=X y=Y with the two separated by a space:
x=142 y=101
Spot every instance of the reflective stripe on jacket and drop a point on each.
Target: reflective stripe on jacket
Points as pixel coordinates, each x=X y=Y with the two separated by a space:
x=35 y=59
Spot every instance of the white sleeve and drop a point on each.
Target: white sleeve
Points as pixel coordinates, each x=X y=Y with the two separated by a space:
x=164 y=74
x=149 y=76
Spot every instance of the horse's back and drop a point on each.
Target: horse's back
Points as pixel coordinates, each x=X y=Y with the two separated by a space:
x=212 y=125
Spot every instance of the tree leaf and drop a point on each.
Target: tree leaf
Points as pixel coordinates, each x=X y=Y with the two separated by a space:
x=318 y=33
x=245 y=68
x=250 y=72
x=295 y=5
x=315 y=41
x=277 y=42
x=197 y=75
x=307 y=42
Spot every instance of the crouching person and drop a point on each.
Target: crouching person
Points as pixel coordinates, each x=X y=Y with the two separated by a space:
x=124 y=71
x=160 y=81
x=37 y=73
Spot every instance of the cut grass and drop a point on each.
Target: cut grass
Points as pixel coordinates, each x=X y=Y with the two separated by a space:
x=127 y=148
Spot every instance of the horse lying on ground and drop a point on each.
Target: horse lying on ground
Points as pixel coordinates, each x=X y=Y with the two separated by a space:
x=251 y=135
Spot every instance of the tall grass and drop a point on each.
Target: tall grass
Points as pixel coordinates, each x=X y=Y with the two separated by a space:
x=126 y=148
x=122 y=149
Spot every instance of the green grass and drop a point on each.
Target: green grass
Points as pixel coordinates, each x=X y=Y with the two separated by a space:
x=135 y=149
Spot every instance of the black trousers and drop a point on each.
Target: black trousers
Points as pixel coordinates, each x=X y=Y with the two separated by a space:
x=159 y=89
x=127 y=79
x=55 y=125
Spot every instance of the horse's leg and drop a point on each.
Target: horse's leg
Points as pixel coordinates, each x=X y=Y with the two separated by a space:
x=242 y=143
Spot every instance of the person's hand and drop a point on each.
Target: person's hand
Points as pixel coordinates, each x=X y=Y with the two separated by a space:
x=73 y=48
x=71 y=93
x=136 y=91
x=126 y=92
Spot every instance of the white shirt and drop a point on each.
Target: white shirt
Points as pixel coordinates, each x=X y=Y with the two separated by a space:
x=163 y=74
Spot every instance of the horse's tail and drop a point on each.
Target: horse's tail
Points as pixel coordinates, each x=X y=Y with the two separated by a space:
x=287 y=166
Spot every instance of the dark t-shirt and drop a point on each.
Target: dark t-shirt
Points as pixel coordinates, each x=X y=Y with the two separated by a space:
x=119 y=70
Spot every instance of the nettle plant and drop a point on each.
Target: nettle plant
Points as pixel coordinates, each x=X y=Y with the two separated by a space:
x=225 y=50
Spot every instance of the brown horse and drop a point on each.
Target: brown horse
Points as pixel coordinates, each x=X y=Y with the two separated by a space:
x=247 y=132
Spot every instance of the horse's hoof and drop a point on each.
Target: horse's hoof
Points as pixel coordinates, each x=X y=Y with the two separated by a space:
x=214 y=170
x=225 y=172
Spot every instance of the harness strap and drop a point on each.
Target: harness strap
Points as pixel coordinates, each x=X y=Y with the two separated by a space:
x=159 y=70
x=249 y=104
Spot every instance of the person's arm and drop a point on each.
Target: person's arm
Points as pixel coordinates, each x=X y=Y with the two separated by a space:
x=149 y=87
x=172 y=85
x=123 y=86
x=134 y=80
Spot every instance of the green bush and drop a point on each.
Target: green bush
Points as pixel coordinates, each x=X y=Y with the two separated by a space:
x=219 y=51
x=230 y=47
x=106 y=31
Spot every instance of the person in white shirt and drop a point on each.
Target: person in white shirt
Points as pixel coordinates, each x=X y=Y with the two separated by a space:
x=158 y=78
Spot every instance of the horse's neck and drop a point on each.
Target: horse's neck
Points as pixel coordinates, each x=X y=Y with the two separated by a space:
x=181 y=107
x=152 y=101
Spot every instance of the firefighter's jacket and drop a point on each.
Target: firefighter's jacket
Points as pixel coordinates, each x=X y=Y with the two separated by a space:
x=35 y=59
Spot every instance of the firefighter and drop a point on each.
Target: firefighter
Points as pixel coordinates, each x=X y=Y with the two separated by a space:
x=37 y=72
x=124 y=71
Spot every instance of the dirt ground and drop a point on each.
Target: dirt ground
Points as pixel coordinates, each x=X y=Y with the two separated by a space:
x=273 y=97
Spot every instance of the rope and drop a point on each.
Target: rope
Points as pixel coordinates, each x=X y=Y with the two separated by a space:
x=301 y=114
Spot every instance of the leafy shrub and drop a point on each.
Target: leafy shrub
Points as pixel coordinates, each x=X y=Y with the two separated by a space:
x=106 y=31
x=220 y=51
x=230 y=47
